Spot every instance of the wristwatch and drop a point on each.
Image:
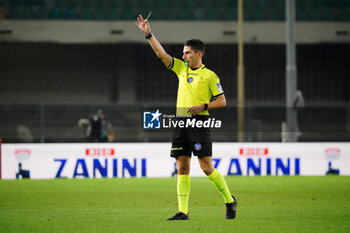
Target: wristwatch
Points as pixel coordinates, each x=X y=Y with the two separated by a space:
x=148 y=36
x=205 y=107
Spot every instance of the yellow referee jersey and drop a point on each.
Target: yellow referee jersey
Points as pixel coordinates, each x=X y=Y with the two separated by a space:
x=195 y=86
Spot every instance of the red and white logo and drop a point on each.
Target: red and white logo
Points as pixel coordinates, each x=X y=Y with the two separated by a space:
x=332 y=153
x=22 y=154
x=99 y=152
x=259 y=151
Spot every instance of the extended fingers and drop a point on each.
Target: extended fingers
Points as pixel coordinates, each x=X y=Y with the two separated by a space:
x=192 y=110
x=139 y=20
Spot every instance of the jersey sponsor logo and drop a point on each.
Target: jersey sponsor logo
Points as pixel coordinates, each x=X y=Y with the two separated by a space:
x=190 y=79
x=219 y=87
x=197 y=146
x=151 y=120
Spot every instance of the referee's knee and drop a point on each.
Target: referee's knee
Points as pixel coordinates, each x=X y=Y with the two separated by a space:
x=207 y=169
x=183 y=170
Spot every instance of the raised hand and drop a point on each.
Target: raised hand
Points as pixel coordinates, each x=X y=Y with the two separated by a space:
x=143 y=25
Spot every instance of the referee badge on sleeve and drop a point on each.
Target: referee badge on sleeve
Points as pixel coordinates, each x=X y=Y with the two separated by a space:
x=219 y=87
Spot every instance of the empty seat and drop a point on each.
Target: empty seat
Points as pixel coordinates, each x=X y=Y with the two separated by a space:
x=215 y=14
x=86 y=13
x=199 y=13
x=71 y=13
x=113 y=14
x=230 y=13
x=56 y=13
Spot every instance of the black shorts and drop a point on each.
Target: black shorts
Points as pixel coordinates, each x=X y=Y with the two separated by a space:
x=191 y=140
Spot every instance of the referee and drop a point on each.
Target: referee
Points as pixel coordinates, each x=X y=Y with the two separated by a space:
x=197 y=84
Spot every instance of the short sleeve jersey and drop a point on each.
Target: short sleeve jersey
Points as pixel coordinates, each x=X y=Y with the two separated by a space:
x=195 y=86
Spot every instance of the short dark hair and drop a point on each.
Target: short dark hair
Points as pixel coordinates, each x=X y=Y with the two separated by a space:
x=196 y=45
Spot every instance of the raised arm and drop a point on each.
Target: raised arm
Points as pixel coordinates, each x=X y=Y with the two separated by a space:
x=156 y=46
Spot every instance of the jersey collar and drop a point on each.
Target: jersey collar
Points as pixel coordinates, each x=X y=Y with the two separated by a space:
x=202 y=67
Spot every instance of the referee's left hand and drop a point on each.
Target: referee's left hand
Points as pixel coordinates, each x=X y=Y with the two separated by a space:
x=194 y=110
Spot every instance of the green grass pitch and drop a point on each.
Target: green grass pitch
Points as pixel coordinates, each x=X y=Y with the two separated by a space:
x=265 y=204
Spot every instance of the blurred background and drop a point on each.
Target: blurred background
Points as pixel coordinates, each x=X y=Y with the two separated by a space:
x=64 y=63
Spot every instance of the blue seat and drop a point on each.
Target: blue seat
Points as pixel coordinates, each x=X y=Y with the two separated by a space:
x=156 y=14
x=321 y=3
x=100 y=13
x=5 y=3
x=148 y=4
x=61 y=3
x=172 y=15
x=215 y=14
x=115 y=3
x=71 y=13
x=40 y=12
x=20 y=2
x=185 y=14
x=56 y=13
x=230 y=13
x=113 y=13
x=127 y=14
x=92 y=3
x=192 y=3
x=86 y=13
x=231 y=3
x=164 y=3
x=199 y=13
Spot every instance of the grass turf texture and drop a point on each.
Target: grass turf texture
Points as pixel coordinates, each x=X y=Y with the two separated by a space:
x=265 y=204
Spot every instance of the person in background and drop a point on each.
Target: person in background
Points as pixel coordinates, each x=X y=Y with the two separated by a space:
x=3 y=12
x=96 y=128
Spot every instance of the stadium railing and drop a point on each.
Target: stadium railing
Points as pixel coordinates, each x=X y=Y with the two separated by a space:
x=59 y=122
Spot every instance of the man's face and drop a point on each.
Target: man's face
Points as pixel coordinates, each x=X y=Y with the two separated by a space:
x=190 y=56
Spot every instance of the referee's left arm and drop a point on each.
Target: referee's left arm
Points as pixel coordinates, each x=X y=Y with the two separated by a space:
x=219 y=102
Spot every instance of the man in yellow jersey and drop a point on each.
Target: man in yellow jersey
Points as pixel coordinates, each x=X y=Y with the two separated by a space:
x=197 y=85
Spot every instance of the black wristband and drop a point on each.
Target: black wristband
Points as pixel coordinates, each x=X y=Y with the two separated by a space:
x=149 y=35
x=205 y=107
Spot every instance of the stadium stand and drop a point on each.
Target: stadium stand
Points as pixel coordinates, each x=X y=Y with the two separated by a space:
x=323 y=72
x=254 y=10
